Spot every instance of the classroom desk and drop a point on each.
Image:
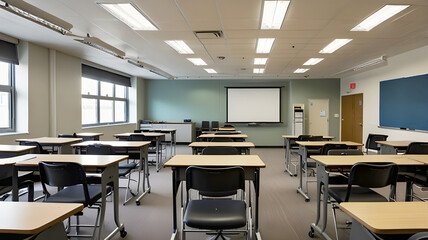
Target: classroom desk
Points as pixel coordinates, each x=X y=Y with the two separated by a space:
x=241 y=146
x=62 y=144
x=303 y=152
x=250 y=163
x=327 y=164
x=7 y=151
x=157 y=137
x=387 y=218
x=89 y=136
x=35 y=220
x=172 y=133
x=108 y=164
x=143 y=147
x=227 y=129
x=392 y=147
x=208 y=137
x=288 y=140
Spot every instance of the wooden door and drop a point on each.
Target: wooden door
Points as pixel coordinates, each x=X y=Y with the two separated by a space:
x=352 y=118
x=318 y=117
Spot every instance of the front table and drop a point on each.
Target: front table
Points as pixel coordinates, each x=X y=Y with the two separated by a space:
x=250 y=163
x=108 y=164
x=331 y=163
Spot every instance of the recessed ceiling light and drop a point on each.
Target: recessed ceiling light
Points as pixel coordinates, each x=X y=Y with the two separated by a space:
x=301 y=70
x=334 y=45
x=313 y=61
x=210 y=70
x=379 y=17
x=273 y=14
x=180 y=46
x=129 y=14
x=258 y=70
x=260 y=61
x=264 y=45
x=197 y=61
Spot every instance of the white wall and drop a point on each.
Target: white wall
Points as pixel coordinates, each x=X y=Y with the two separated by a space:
x=411 y=63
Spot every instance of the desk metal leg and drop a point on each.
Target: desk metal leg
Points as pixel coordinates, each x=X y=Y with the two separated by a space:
x=194 y=150
x=288 y=156
x=144 y=154
x=303 y=151
x=175 y=184
x=15 y=188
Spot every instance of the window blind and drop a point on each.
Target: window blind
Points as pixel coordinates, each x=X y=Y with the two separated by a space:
x=105 y=76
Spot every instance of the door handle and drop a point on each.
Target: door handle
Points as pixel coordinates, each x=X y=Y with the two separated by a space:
x=361 y=124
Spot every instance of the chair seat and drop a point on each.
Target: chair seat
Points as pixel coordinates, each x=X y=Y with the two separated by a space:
x=337 y=179
x=74 y=194
x=359 y=194
x=126 y=168
x=216 y=214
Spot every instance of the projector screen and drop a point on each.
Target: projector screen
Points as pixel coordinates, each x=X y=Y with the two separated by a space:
x=258 y=105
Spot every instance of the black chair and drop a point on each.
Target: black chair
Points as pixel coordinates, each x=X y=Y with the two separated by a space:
x=215 y=125
x=419 y=236
x=213 y=213
x=417 y=177
x=125 y=169
x=345 y=152
x=371 y=142
x=228 y=126
x=220 y=151
x=417 y=148
x=71 y=178
x=362 y=178
x=38 y=150
x=330 y=146
x=221 y=139
x=152 y=146
x=24 y=181
x=342 y=177
x=226 y=133
x=67 y=135
x=205 y=126
x=138 y=131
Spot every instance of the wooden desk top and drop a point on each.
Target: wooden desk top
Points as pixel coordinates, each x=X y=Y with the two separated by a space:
x=146 y=134
x=349 y=160
x=34 y=217
x=15 y=148
x=223 y=144
x=124 y=144
x=295 y=137
x=88 y=134
x=227 y=129
x=215 y=160
x=418 y=157
x=395 y=143
x=51 y=140
x=13 y=160
x=224 y=136
x=322 y=143
x=389 y=217
x=212 y=132
x=85 y=160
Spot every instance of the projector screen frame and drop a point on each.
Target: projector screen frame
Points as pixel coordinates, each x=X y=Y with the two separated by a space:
x=280 y=105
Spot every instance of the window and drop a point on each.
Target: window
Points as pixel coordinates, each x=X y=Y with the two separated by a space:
x=103 y=103
x=7 y=97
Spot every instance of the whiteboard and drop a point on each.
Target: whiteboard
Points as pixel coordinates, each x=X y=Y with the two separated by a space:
x=262 y=105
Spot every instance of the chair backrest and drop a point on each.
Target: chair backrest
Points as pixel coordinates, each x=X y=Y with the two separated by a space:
x=345 y=152
x=419 y=236
x=303 y=138
x=371 y=141
x=226 y=133
x=62 y=174
x=138 y=131
x=38 y=150
x=67 y=135
x=137 y=137
x=329 y=146
x=214 y=125
x=372 y=175
x=99 y=149
x=316 y=138
x=417 y=148
x=228 y=126
x=205 y=126
x=220 y=150
x=215 y=179
x=221 y=139
x=6 y=171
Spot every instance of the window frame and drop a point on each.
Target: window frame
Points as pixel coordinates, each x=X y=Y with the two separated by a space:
x=98 y=97
x=11 y=90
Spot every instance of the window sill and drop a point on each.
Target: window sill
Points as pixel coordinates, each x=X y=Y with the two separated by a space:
x=12 y=133
x=108 y=125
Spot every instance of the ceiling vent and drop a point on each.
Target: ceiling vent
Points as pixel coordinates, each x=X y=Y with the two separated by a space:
x=209 y=34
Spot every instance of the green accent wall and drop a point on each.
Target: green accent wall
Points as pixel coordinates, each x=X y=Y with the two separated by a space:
x=200 y=100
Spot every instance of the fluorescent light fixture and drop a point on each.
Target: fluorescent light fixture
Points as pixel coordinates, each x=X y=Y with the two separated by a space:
x=150 y=68
x=334 y=45
x=258 y=70
x=273 y=14
x=313 y=61
x=103 y=46
x=379 y=17
x=260 y=61
x=370 y=63
x=301 y=70
x=197 y=61
x=180 y=46
x=36 y=15
x=129 y=14
x=264 y=45
x=210 y=70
